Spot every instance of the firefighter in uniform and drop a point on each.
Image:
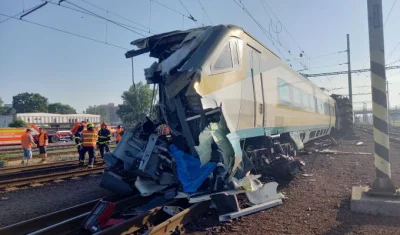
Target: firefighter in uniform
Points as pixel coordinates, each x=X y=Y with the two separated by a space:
x=104 y=139
x=77 y=138
x=88 y=139
x=43 y=141
x=119 y=134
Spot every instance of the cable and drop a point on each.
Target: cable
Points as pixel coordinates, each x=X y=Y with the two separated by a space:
x=167 y=7
x=11 y=17
x=301 y=49
x=267 y=34
x=66 y=32
x=111 y=21
x=95 y=15
x=208 y=17
x=390 y=12
x=150 y=17
x=324 y=66
x=324 y=55
x=115 y=14
x=190 y=15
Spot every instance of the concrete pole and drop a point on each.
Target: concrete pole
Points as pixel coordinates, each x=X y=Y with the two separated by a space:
x=382 y=183
x=349 y=70
x=388 y=101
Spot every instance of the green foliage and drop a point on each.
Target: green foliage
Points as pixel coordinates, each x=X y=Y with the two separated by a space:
x=60 y=108
x=3 y=110
x=18 y=123
x=136 y=103
x=30 y=103
x=99 y=110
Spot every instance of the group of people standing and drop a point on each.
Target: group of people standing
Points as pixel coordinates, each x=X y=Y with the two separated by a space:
x=86 y=140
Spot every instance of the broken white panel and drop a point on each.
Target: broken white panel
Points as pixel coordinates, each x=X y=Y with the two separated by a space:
x=297 y=140
x=266 y=192
x=148 y=187
x=204 y=148
x=181 y=54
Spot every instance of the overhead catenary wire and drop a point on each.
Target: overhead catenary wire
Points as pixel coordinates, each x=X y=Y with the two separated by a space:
x=99 y=16
x=96 y=16
x=190 y=15
x=171 y=9
x=19 y=13
x=267 y=34
x=66 y=32
x=283 y=26
x=117 y=15
x=205 y=12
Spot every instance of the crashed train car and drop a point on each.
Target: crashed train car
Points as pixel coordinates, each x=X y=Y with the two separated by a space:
x=228 y=108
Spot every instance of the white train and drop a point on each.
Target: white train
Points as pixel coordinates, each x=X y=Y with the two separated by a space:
x=227 y=99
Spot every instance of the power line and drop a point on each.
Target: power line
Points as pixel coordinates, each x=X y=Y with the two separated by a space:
x=324 y=55
x=390 y=12
x=290 y=35
x=111 y=21
x=208 y=17
x=267 y=34
x=90 y=14
x=190 y=15
x=115 y=14
x=169 y=8
x=66 y=32
x=324 y=66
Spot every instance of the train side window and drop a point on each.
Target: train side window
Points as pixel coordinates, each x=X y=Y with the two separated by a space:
x=306 y=100
x=224 y=60
x=296 y=96
x=235 y=53
x=284 y=93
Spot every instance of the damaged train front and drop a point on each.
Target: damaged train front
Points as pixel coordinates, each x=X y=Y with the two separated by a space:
x=185 y=152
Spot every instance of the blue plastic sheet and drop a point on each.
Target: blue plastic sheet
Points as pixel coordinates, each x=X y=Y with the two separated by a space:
x=190 y=171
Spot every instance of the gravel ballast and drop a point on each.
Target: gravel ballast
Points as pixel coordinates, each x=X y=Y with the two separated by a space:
x=29 y=203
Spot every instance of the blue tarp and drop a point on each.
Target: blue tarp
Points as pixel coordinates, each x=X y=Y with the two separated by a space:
x=190 y=171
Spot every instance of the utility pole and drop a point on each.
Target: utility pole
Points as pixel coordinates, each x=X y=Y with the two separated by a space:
x=349 y=70
x=387 y=92
x=382 y=182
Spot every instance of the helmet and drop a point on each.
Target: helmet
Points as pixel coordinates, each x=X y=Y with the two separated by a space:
x=89 y=125
x=104 y=124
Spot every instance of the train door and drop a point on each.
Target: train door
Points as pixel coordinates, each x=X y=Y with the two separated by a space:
x=258 y=91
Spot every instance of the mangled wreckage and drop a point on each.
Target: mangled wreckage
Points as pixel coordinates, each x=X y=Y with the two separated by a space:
x=229 y=111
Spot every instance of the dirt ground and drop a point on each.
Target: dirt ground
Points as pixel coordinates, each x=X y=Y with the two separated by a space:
x=32 y=202
x=320 y=203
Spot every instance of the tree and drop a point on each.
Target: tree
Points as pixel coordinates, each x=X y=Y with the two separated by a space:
x=60 y=108
x=30 y=103
x=136 y=103
x=18 y=123
x=3 y=110
x=99 y=110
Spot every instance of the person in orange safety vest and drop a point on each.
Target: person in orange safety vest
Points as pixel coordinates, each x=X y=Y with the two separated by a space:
x=119 y=133
x=88 y=140
x=27 y=143
x=43 y=141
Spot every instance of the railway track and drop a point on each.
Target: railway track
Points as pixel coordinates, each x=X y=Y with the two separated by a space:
x=151 y=221
x=393 y=136
x=18 y=180
x=7 y=170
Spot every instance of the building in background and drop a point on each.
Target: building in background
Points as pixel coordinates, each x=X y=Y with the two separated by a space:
x=5 y=120
x=113 y=118
x=57 y=120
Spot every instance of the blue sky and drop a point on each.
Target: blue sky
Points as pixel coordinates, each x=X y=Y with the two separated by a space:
x=80 y=72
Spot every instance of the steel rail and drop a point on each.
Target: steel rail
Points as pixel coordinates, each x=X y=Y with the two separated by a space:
x=35 y=166
x=32 y=225
x=49 y=177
